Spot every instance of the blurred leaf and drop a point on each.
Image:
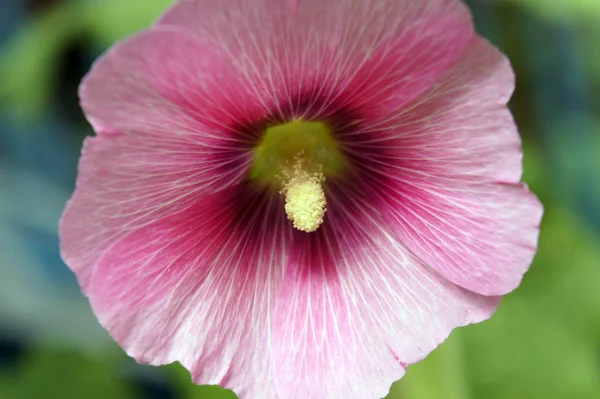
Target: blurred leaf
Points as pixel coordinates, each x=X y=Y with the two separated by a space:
x=5 y=386
x=563 y=9
x=441 y=376
x=182 y=379
x=66 y=375
x=534 y=170
x=590 y=37
x=210 y=392
x=112 y=20
x=28 y=63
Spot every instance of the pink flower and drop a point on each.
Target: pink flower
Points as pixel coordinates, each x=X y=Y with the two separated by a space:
x=379 y=127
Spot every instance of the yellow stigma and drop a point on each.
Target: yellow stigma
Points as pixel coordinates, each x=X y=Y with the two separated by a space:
x=305 y=203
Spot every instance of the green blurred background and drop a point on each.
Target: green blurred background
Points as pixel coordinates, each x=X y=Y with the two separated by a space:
x=544 y=341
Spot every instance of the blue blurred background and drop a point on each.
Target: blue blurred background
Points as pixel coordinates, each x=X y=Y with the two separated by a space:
x=544 y=341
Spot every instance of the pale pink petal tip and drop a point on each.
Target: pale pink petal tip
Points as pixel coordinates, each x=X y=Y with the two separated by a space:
x=184 y=258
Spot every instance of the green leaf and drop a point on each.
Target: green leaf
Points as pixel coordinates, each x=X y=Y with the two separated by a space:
x=181 y=378
x=28 y=63
x=112 y=20
x=441 y=376
x=563 y=9
x=54 y=373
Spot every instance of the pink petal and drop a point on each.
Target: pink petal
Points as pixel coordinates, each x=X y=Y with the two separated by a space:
x=367 y=53
x=167 y=83
x=460 y=127
x=197 y=288
x=446 y=177
x=357 y=307
x=225 y=287
x=158 y=102
x=127 y=181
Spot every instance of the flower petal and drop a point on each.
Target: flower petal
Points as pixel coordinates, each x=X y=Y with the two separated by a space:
x=446 y=177
x=384 y=52
x=166 y=82
x=357 y=307
x=127 y=181
x=197 y=288
x=460 y=127
x=481 y=236
x=159 y=103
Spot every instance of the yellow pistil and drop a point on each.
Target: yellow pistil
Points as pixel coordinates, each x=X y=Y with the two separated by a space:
x=305 y=203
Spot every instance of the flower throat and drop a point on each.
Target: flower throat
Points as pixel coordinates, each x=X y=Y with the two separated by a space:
x=296 y=158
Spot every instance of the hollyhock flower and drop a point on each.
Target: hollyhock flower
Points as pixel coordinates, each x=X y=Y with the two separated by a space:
x=298 y=199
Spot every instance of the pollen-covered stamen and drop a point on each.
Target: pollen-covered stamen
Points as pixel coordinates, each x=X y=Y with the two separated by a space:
x=305 y=202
